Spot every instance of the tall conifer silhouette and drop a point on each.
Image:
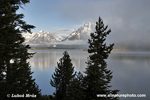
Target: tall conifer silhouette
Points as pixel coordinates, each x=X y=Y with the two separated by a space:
x=15 y=71
x=62 y=77
x=98 y=77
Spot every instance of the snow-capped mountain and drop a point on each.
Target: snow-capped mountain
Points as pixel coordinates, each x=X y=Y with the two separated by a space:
x=40 y=37
x=82 y=32
x=45 y=39
x=28 y=35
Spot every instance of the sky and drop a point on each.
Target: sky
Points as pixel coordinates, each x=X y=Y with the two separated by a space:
x=128 y=19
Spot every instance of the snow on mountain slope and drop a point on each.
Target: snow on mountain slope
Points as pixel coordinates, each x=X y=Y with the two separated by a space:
x=27 y=36
x=82 y=32
x=42 y=37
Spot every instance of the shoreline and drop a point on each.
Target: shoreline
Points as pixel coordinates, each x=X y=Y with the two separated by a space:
x=113 y=50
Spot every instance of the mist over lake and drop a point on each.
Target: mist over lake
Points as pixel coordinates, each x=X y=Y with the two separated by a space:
x=130 y=70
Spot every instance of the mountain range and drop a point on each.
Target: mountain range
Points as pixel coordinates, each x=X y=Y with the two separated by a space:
x=77 y=39
x=46 y=39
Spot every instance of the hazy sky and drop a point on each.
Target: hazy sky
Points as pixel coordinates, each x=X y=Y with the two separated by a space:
x=128 y=19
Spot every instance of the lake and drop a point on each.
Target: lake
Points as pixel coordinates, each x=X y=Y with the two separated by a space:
x=131 y=70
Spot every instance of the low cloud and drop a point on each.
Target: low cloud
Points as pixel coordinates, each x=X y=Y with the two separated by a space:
x=73 y=42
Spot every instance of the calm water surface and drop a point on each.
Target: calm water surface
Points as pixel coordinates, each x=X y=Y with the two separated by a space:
x=131 y=70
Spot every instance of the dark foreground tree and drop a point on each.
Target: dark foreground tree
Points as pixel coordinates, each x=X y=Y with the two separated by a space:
x=62 y=77
x=98 y=77
x=75 y=89
x=15 y=71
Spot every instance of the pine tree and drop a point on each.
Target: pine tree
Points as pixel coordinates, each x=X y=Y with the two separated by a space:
x=62 y=77
x=75 y=89
x=15 y=71
x=98 y=77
